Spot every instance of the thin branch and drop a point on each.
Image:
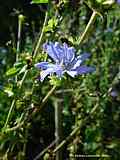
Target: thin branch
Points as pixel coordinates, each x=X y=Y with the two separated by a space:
x=45 y=150
x=90 y=23
x=40 y=38
x=72 y=134
x=15 y=127
x=44 y=101
x=9 y=113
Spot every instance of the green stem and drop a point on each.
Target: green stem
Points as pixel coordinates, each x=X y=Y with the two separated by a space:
x=14 y=100
x=45 y=150
x=15 y=127
x=19 y=36
x=23 y=78
x=87 y=29
x=25 y=74
x=66 y=139
x=44 y=100
x=10 y=111
x=72 y=134
x=58 y=127
x=48 y=95
x=40 y=38
x=20 y=21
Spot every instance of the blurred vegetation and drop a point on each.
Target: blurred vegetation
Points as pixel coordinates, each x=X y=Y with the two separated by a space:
x=30 y=129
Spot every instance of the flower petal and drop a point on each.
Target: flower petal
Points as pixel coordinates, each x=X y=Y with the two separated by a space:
x=42 y=65
x=69 y=54
x=84 y=70
x=53 y=69
x=59 y=51
x=79 y=60
x=84 y=56
x=72 y=73
x=114 y=93
x=45 y=73
x=52 y=51
x=118 y=1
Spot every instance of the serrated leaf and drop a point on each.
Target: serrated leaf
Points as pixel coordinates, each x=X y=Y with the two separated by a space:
x=39 y=1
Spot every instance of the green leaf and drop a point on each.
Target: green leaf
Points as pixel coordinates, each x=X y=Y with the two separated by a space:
x=18 y=64
x=39 y=1
x=12 y=71
x=8 y=91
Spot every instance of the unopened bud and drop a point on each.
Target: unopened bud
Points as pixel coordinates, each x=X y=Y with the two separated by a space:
x=21 y=17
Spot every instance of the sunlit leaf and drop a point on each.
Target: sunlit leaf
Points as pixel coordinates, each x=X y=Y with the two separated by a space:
x=12 y=71
x=9 y=92
x=39 y=1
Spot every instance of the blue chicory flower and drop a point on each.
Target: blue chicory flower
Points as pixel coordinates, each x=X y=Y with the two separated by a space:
x=118 y=1
x=114 y=93
x=65 y=61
